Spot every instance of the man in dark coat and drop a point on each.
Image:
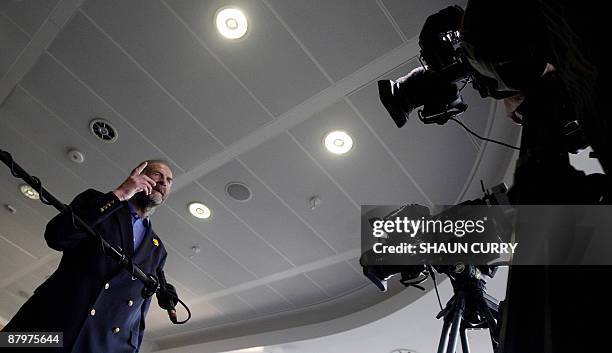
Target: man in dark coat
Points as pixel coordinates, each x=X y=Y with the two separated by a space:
x=95 y=303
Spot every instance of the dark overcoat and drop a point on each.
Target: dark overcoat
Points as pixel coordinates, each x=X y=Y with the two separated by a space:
x=95 y=303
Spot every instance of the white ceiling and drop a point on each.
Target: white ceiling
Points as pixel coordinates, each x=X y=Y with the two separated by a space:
x=252 y=111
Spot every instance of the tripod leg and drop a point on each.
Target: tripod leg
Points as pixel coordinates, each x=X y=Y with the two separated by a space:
x=465 y=343
x=456 y=325
x=491 y=322
x=494 y=342
x=444 y=337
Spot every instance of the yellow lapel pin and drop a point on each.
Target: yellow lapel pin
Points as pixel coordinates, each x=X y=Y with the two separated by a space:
x=156 y=242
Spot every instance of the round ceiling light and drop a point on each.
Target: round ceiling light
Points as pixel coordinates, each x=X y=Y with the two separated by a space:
x=338 y=142
x=29 y=192
x=199 y=210
x=231 y=22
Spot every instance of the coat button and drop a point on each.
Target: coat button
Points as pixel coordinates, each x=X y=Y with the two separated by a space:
x=106 y=286
x=92 y=312
x=130 y=303
x=116 y=330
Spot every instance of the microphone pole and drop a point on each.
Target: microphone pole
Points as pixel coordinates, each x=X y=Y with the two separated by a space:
x=151 y=283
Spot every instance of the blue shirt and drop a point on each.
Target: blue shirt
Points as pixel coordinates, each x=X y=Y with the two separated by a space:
x=139 y=227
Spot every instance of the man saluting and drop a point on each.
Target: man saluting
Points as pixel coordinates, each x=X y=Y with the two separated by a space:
x=95 y=303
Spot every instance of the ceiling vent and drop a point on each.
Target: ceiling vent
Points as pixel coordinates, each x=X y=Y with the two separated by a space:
x=238 y=191
x=103 y=130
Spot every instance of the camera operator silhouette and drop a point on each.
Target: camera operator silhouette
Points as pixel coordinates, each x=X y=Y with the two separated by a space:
x=549 y=56
x=546 y=55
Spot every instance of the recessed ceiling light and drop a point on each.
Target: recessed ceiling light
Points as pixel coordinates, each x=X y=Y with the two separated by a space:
x=29 y=192
x=231 y=22
x=199 y=210
x=338 y=142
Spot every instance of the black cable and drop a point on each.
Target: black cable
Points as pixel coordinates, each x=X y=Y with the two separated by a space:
x=433 y=278
x=12 y=166
x=39 y=190
x=484 y=138
x=37 y=182
x=186 y=308
x=72 y=219
x=167 y=299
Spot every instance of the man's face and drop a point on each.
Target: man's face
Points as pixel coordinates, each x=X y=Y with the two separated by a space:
x=514 y=75
x=162 y=176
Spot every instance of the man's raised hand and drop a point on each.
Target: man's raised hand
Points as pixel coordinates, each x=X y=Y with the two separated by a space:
x=135 y=183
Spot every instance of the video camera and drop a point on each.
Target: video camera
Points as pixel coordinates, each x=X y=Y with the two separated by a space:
x=493 y=206
x=435 y=85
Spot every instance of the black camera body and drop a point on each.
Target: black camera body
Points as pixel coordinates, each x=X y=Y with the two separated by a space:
x=494 y=207
x=435 y=85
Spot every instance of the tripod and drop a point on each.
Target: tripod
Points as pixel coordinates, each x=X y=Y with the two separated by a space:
x=469 y=308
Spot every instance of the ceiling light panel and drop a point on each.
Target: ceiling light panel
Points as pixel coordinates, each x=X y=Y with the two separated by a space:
x=29 y=192
x=338 y=142
x=199 y=210
x=231 y=22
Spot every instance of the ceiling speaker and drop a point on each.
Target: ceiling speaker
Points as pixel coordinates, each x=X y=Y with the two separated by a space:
x=103 y=130
x=238 y=191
